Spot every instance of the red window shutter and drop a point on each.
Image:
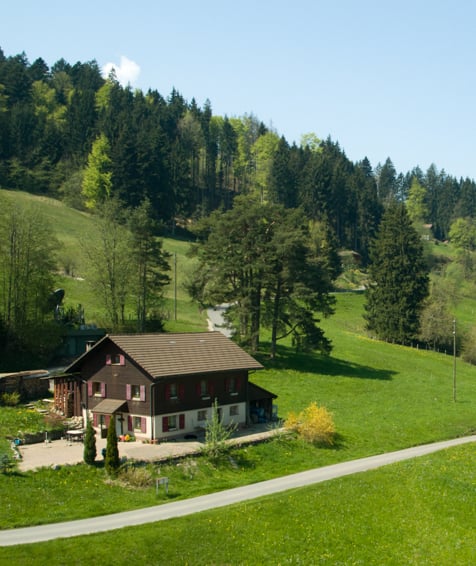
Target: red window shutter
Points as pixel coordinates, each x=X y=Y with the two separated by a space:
x=122 y=360
x=103 y=389
x=199 y=390
x=143 y=424
x=167 y=391
x=95 y=419
x=181 y=391
x=128 y=391
x=106 y=420
x=129 y=423
x=108 y=360
x=238 y=383
x=227 y=385
x=165 y=424
x=142 y=392
x=90 y=389
x=182 y=421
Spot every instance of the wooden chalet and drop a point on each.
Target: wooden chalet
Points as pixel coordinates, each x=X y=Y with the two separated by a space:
x=157 y=386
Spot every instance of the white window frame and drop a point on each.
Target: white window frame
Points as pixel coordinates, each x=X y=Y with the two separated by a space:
x=172 y=419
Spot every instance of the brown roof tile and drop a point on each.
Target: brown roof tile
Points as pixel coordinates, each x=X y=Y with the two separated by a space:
x=164 y=354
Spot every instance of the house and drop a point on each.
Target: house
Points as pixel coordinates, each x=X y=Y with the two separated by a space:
x=158 y=386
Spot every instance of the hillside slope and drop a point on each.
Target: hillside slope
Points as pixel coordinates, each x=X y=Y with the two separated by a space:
x=72 y=229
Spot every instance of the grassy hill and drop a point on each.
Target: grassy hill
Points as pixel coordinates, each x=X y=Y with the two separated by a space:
x=383 y=397
x=71 y=227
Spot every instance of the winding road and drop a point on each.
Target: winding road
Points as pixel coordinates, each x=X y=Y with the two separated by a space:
x=42 y=533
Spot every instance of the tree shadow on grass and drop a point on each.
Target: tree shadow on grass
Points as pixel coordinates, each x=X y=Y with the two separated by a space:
x=322 y=365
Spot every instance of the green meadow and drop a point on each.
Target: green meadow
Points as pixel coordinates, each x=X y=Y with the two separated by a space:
x=383 y=397
x=419 y=512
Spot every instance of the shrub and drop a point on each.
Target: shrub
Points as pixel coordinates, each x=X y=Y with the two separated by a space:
x=216 y=435
x=10 y=399
x=136 y=477
x=6 y=463
x=111 y=460
x=314 y=424
x=90 y=444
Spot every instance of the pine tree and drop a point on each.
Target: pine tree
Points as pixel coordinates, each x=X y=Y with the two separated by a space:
x=279 y=182
x=149 y=266
x=111 y=461
x=257 y=258
x=90 y=444
x=399 y=278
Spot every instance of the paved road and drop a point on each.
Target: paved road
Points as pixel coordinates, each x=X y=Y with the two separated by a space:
x=215 y=500
x=216 y=320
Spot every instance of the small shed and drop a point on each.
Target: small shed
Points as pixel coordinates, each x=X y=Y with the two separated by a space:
x=32 y=384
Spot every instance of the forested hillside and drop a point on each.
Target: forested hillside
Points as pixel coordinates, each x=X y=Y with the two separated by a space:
x=145 y=165
x=62 y=128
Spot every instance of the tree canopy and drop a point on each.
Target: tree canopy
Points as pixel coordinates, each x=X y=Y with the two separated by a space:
x=399 y=278
x=67 y=132
x=257 y=258
x=271 y=214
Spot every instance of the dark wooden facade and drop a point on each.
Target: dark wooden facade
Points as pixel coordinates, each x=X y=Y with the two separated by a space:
x=116 y=379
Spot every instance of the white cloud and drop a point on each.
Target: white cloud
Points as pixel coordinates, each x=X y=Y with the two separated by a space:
x=126 y=73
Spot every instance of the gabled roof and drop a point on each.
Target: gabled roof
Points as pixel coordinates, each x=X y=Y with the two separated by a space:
x=166 y=355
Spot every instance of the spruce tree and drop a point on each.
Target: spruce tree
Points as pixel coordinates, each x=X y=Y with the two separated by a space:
x=111 y=461
x=398 y=278
x=89 y=444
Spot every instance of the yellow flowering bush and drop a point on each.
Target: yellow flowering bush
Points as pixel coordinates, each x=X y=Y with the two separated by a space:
x=313 y=424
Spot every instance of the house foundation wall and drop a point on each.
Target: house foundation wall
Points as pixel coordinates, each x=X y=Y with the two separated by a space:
x=168 y=426
x=195 y=421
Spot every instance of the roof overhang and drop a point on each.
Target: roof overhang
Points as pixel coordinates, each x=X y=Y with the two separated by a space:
x=38 y=374
x=257 y=393
x=109 y=406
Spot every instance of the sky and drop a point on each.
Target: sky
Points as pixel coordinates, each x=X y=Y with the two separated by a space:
x=382 y=78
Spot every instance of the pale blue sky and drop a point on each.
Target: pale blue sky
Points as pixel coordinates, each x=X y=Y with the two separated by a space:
x=384 y=79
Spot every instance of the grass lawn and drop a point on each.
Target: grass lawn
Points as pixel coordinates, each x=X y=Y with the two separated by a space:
x=383 y=397
x=417 y=512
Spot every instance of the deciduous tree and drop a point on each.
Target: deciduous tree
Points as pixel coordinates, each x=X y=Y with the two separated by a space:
x=27 y=263
x=110 y=265
x=97 y=176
